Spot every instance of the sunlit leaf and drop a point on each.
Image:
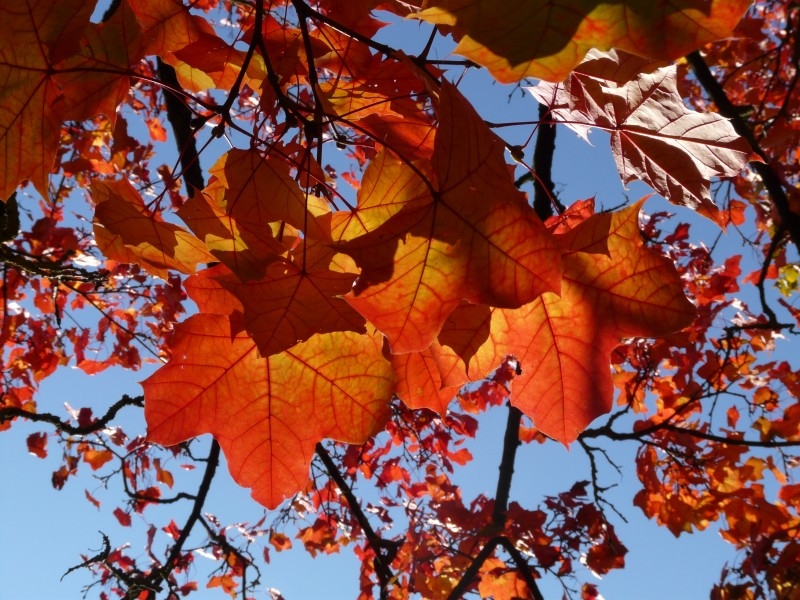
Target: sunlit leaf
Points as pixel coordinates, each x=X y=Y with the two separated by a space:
x=470 y=236
x=128 y=232
x=267 y=413
x=613 y=288
x=654 y=137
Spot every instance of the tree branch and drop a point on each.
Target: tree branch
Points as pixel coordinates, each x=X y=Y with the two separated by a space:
x=790 y=221
x=523 y=566
x=12 y=412
x=544 y=196
x=384 y=550
x=159 y=575
x=180 y=118
x=510 y=445
x=472 y=571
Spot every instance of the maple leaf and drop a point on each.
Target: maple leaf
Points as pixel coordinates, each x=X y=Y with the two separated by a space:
x=468 y=235
x=547 y=38
x=654 y=137
x=381 y=102
x=613 y=288
x=430 y=378
x=267 y=413
x=167 y=25
x=96 y=79
x=246 y=192
x=296 y=298
x=126 y=231
x=500 y=582
x=208 y=61
x=55 y=66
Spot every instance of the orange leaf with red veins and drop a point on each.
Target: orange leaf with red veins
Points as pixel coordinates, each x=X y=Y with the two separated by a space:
x=388 y=185
x=126 y=231
x=654 y=137
x=613 y=288
x=295 y=299
x=166 y=25
x=96 y=80
x=381 y=103
x=472 y=237
x=206 y=290
x=246 y=192
x=42 y=42
x=267 y=413
x=547 y=38
x=208 y=62
x=430 y=378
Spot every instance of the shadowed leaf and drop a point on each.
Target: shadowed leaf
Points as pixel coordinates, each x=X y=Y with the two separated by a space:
x=547 y=38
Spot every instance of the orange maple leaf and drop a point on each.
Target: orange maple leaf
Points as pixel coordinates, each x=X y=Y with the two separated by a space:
x=296 y=298
x=56 y=66
x=654 y=137
x=465 y=233
x=547 y=38
x=267 y=413
x=430 y=378
x=246 y=193
x=613 y=288
x=126 y=231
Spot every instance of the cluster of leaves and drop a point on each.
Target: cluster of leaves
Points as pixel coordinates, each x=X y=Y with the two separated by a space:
x=382 y=307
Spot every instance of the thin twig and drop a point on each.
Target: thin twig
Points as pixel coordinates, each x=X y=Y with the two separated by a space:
x=11 y=412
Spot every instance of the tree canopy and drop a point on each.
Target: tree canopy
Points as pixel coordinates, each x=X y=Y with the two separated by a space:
x=298 y=212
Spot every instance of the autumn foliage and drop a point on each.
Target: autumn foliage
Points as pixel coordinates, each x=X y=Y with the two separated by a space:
x=341 y=266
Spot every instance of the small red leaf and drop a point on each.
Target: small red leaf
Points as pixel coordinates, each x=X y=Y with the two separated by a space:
x=123 y=517
x=37 y=444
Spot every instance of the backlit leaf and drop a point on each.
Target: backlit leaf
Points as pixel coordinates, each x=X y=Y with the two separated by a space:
x=44 y=80
x=267 y=413
x=471 y=236
x=564 y=343
x=296 y=298
x=654 y=137
x=126 y=231
x=430 y=378
x=248 y=191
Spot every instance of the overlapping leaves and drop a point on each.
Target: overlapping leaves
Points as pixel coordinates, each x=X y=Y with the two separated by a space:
x=54 y=66
x=442 y=254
